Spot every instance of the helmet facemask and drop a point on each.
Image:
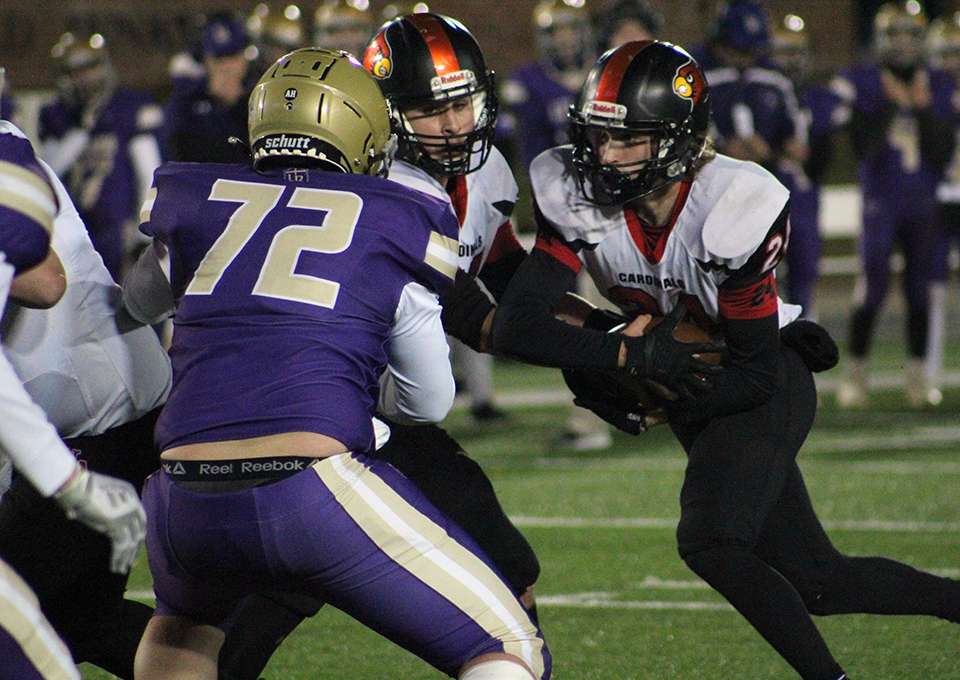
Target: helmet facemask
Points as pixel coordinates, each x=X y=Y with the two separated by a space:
x=674 y=151
x=443 y=154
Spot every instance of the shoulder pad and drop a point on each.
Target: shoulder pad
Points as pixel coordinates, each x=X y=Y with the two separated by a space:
x=560 y=200
x=413 y=177
x=741 y=201
x=497 y=182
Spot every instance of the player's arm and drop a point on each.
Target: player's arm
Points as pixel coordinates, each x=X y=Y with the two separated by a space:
x=417 y=386
x=42 y=286
x=147 y=293
x=749 y=319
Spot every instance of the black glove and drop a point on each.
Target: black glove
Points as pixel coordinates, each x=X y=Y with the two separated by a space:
x=465 y=307
x=657 y=355
x=812 y=342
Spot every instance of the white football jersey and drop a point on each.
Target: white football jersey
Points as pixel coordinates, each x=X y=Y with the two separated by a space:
x=725 y=219
x=88 y=372
x=482 y=202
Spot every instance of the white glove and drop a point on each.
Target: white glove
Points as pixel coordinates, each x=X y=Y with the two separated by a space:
x=110 y=506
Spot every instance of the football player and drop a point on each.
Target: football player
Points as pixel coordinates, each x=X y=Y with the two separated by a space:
x=310 y=267
x=275 y=33
x=899 y=115
x=204 y=113
x=943 y=49
x=28 y=645
x=103 y=141
x=819 y=106
x=101 y=380
x=663 y=223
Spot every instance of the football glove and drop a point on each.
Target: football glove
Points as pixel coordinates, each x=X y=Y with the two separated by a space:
x=110 y=506
x=812 y=342
x=659 y=356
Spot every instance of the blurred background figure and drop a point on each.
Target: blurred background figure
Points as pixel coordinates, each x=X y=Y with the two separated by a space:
x=202 y=114
x=943 y=50
x=538 y=94
x=344 y=25
x=8 y=107
x=102 y=140
x=624 y=21
x=818 y=107
x=900 y=125
x=275 y=31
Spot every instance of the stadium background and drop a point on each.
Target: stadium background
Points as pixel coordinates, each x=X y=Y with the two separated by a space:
x=617 y=602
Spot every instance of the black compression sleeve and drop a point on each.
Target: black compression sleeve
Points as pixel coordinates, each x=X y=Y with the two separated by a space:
x=496 y=276
x=749 y=377
x=524 y=325
x=465 y=308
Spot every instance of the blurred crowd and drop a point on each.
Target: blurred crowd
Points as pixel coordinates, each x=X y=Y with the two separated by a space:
x=770 y=105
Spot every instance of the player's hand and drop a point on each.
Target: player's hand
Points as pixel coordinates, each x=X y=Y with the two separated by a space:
x=896 y=90
x=632 y=421
x=110 y=506
x=920 y=89
x=657 y=355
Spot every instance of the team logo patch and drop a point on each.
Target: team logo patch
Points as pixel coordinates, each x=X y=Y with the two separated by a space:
x=452 y=81
x=688 y=83
x=600 y=109
x=376 y=58
x=290 y=94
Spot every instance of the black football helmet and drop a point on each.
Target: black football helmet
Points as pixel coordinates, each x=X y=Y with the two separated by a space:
x=649 y=87
x=425 y=59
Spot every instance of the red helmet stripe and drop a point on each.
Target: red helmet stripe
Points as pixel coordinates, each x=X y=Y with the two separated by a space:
x=438 y=42
x=609 y=86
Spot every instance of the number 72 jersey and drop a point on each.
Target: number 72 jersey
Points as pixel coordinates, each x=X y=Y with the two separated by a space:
x=287 y=285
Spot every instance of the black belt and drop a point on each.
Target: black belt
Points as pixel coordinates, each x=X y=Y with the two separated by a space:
x=238 y=469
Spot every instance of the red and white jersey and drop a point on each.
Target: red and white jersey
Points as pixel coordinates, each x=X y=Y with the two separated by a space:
x=729 y=225
x=482 y=201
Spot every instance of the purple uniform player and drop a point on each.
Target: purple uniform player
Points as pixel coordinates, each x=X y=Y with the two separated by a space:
x=102 y=141
x=899 y=119
x=295 y=286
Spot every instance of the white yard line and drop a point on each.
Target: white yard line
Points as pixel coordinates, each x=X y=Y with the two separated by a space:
x=668 y=523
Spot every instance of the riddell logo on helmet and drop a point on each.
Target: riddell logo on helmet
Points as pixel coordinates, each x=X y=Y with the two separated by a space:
x=688 y=83
x=450 y=81
x=285 y=141
x=602 y=109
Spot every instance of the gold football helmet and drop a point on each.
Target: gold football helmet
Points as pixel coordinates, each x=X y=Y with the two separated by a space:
x=564 y=34
x=898 y=30
x=943 y=40
x=344 y=25
x=790 y=47
x=84 y=71
x=320 y=107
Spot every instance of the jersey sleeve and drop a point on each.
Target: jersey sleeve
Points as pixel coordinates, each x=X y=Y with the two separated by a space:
x=550 y=241
x=28 y=203
x=438 y=264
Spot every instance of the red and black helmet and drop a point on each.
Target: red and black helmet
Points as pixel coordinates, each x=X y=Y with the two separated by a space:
x=650 y=87
x=424 y=59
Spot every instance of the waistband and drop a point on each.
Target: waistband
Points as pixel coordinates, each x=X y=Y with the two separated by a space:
x=238 y=469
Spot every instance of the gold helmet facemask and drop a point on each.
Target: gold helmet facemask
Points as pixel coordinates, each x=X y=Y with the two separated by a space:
x=320 y=107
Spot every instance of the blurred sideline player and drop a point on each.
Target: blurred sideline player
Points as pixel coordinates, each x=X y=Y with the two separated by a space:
x=203 y=114
x=641 y=191
x=900 y=122
x=625 y=21
x=943 y=48
x=343 y=25
x=274 y=33
x=296 y=269
x=103 y=141
x=790 y=52
x=100 y=378
x=28 y=646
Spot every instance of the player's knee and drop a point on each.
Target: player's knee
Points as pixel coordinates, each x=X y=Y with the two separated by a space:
x=500 y=668
x=823 y=588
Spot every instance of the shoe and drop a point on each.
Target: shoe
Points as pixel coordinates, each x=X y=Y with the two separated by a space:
x=853 y=391
x=917 y=388
x=487 y=412
x=584 y=441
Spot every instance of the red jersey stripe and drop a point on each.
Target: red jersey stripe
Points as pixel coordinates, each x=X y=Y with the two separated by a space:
x=504 y=243
x=559 y=251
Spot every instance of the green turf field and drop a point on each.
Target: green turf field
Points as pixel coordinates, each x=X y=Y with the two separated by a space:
x=616 y=601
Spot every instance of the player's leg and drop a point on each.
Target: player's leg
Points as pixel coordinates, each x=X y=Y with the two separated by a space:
x=795 y=543
x=939 y=275
x=418 y=578
x=803 y=255
x=737 y=467
x=178 y=648
x=918 y=239
x=876 y=247
x=29 y=647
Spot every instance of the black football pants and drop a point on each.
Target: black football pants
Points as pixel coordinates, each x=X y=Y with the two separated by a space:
x=748 y=528
x=67 y=565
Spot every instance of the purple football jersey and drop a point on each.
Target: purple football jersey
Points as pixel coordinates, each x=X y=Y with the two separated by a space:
x=103 y=181
x=896 y=173
x=539 y=102
x=28 y=203
x=287 y=285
